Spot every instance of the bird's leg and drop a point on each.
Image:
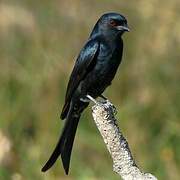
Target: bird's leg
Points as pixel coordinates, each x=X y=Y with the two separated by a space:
x=92 y=99
x=85 y=99
x=103 y=97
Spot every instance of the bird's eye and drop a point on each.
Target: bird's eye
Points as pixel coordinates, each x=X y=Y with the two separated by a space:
x=113 y=23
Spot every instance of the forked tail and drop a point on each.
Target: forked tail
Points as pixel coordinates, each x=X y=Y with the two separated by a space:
x=65 y=143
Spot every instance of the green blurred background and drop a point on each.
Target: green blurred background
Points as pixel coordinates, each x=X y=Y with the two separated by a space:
x=39 y=41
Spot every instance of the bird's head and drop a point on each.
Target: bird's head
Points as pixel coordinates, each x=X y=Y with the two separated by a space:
x=111 y=24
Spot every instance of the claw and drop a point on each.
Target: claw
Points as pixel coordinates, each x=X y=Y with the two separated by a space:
x=112 y=106
x=114 y=109
x=103 y=97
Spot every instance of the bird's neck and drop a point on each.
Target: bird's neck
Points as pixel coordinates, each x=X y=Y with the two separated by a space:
x=111 y=39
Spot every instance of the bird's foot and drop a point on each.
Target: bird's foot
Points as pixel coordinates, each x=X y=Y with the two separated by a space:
x=94 y=100
x=114 y=109
x=103 y=97
x=108 y=104
x=105 y=103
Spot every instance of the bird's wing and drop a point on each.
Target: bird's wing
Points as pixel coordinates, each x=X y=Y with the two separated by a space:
x=84 y=64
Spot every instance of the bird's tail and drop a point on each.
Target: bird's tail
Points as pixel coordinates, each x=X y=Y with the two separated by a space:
x=65 y=143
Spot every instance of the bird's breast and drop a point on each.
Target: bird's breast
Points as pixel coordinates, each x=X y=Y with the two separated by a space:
x=108 y=61
x=106 y=67
x=100 y=77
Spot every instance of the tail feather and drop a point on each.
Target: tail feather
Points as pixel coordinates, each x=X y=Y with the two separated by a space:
x=68 y=144
x=65 y=110
x=57 y=150
x=65 y=143
x=53 y=158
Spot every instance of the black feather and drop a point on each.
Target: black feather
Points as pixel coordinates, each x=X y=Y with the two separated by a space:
x=93 y=72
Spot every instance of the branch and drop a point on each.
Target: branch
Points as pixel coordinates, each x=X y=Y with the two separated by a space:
x=123 y=162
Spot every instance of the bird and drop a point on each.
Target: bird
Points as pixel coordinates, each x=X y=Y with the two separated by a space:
x=93 y=72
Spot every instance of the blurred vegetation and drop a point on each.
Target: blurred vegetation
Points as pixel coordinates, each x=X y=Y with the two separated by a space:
x=39 y=41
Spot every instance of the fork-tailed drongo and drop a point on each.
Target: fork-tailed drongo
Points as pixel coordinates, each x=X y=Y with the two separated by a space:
x=93 y=72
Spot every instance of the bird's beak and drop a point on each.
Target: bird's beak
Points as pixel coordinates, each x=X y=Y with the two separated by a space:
x=123 y=28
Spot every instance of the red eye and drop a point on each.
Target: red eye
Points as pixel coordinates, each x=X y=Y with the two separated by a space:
x=113 y=23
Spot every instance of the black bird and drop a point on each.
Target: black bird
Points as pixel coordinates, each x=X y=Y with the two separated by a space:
x=93 y=72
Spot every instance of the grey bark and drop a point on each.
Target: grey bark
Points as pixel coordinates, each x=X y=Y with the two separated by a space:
x=123 y=162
